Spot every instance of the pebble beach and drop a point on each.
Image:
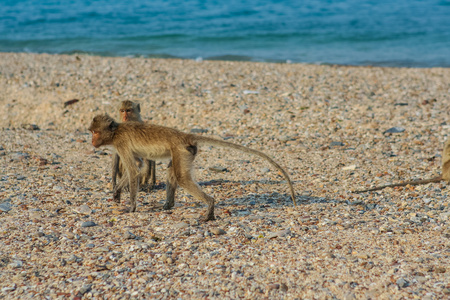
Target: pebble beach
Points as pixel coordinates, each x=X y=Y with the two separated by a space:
x=335 y=129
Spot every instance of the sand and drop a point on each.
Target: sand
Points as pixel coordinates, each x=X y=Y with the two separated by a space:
x=334 y=128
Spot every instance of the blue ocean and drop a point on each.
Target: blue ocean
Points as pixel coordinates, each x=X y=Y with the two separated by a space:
x=402 y=33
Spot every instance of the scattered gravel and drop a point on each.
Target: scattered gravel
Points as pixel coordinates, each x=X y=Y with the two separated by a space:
x=335 y=129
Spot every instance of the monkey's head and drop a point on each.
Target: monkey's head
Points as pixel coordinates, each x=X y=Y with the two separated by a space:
x=130 y=111
x=103 y=128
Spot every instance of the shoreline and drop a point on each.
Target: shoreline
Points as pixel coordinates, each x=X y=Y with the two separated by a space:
x=326 y=125
x=243 y=58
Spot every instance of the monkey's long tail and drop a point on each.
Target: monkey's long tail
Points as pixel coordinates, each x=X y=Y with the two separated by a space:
x=213 y=142
x=414 y=182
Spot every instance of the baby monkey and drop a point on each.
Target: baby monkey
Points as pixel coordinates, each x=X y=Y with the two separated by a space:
x=445 y=176
x=130 y=111
x=138 y=140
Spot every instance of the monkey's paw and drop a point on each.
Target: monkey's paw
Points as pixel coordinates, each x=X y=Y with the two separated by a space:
x=209 y=217
x=167 y=206
x=129 y=209
x=147 y=188
x=116 y=197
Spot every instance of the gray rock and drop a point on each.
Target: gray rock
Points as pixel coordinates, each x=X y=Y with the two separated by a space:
x=265 y=170
x=242 y=213
x=181 y=225
x=218 y=231
x=285 y=138
x=74 y=258
x=5 y=206
x=20 y=156
x=101 y=249
x=186 y=233
x=88 y=224
x=395 y=130
x=129 y=235
x=249 y=92
x=402 y=283
x=349 y=296
x=218 y=169
x=30 y=127
x=84 y=209
x=16 y=264
x=199 y=130
x=85 y=289
x=281 y=233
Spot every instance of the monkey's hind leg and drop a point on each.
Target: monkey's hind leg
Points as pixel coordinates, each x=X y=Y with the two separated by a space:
x=171 y=187
x=152 y=172
x=123 y=183
x=182 y=165
x=148 y=175
x=134 y=188
x=116 y=174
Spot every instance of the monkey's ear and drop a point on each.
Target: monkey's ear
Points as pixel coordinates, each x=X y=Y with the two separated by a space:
x=138 y=107
x=113 y=125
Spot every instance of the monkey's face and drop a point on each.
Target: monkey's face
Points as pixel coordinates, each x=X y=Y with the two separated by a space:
x=126 y=115
x=96 y=139
x=102 y=129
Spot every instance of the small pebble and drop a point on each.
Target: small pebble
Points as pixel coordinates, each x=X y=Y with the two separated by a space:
x=281 y=233
x=395 y=130
x=181 y=225
x=84 y=209
x=129 y=235
x=217 y=231
x=88 y=224
x=5 y=206
x=218 y=169
x=402 y=283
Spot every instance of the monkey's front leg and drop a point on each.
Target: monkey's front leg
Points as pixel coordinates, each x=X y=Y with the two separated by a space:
x=115 y=174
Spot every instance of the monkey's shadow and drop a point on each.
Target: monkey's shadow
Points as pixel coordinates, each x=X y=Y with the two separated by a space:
x=245 y=202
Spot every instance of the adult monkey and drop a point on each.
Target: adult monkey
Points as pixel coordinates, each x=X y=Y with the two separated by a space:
x=135 y=139
x=131 y=111
x=445 y=176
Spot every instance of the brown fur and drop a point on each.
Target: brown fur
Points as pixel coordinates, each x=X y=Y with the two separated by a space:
x=130 y=111
x=445 y=176
x=135 y=139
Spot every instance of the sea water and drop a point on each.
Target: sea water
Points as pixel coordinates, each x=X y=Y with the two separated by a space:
x=403 y=33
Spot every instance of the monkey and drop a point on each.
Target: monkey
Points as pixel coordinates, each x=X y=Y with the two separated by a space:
x=130 y=111
x=445 y=176
x=136 y=139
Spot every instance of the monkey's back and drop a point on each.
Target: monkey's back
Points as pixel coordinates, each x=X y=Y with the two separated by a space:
x=151 y=141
